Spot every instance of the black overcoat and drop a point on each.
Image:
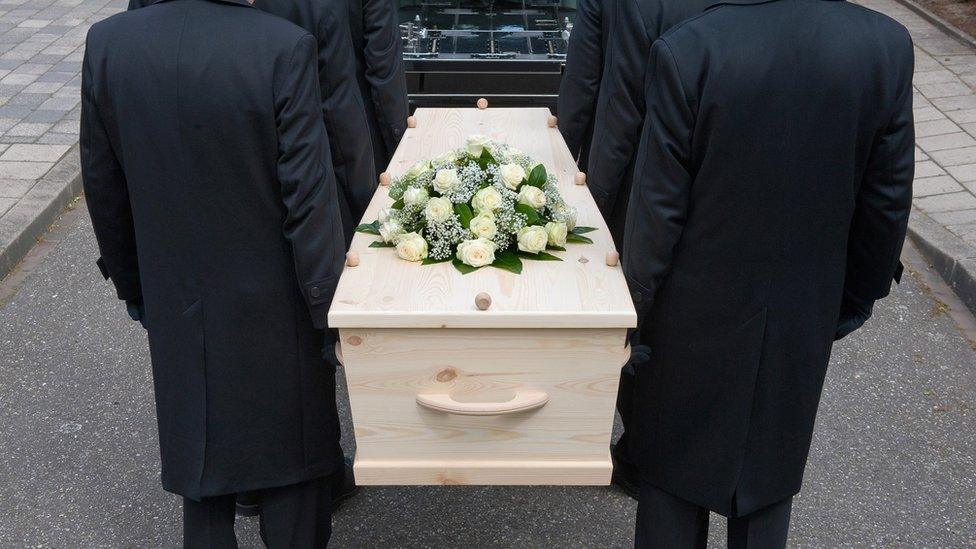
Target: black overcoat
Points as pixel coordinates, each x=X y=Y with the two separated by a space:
x=375 y=27
x=773 y=175
x=619 y=113
x=207 y=173
x=342 y=101
x=580 y=84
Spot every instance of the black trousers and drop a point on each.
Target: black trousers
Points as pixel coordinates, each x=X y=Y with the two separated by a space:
x=668 y=522
x=298 y=516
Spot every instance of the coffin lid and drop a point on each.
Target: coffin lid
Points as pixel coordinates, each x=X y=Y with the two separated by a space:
x=581 y=291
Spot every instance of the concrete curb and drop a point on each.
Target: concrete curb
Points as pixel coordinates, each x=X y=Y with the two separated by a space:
x=30 y=218
x=943 y=25
x=950 y=256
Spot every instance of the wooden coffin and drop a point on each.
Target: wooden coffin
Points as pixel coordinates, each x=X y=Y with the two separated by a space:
x=521 y=393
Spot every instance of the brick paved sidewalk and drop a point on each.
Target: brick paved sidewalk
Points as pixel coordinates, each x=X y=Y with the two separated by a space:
x=41 y=49
x=943 y=224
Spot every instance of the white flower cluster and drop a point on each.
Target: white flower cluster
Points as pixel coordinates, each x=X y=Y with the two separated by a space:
x=474 y=203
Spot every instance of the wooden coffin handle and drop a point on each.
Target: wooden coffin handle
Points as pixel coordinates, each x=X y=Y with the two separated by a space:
x=521 y=402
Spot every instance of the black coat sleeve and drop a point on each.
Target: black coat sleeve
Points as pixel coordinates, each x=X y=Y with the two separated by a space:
x=308 y=186
x=107 y=195
x=883 y=202
x=344 y=113
x=136 y=4
x=662 y=180
x=384 y=69
x=620 y=114
x=581 y=79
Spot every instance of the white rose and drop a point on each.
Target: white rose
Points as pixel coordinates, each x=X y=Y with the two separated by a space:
x=390 y=230
x=418 y=169
x=446 y=181
x=532 y=196
x=385 y=214
x=477 y=253
x=486 y=200
x=476 y=144
x=557 y=232
x=411 y=247
x=567 y=215
x=483 y=226
x=439 y=209
x=512 y=151
x=532 y=239
x=415 y=195
x=512 y=175
x=446 y=158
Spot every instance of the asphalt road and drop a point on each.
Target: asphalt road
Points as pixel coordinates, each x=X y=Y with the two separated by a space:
x=892 y=463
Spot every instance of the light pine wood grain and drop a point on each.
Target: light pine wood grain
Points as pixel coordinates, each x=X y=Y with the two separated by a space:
x=383 y=291
x=563 y=442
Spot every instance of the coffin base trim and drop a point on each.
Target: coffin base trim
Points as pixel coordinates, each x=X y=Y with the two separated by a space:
x=373 y=472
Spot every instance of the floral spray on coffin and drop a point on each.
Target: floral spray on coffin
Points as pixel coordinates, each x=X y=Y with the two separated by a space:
x=487 y=204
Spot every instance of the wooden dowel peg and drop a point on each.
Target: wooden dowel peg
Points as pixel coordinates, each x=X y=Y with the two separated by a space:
x=482 y=301
x=352 y=259
x=613 y=258
x=411 y=122
x=552 y=121
x=580 y=178
x=482 y=103
x=385 y=179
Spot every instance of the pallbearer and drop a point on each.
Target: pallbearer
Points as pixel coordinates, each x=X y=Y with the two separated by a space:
x=769 y=209
x=580 y=84
x=620 y=110
x=376 y=43
x=208 y=177
x=616 y=131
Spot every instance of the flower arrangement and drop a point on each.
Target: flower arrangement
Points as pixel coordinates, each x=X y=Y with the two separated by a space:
x=487 y=204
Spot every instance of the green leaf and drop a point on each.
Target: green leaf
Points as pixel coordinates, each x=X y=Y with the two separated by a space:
x=465 y=215
x=509 y=261
x=432 y=261
x=378 y=244
x=541 y=256
x=556 y=248
x=578 y=239
x=532 y=216
x=463 y=267
x=583 y=230
x=537 y=177
x=369 y=228
x=486 y=158
x=398 y=205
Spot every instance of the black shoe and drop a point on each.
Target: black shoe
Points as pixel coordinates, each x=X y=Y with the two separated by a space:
x=247 y=504
x=343 y=485
x=625 y=475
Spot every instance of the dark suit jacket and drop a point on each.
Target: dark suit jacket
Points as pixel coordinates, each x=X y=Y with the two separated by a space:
x=580 y=84
x=774 y=175
x=208 y=178
x=379 y=56
x=342 y=101
x=620 y=110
